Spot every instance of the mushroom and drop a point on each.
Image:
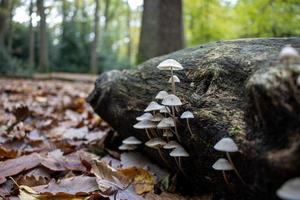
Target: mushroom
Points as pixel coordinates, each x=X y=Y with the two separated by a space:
x=145 y=116
x=179 y=152
x=228 y=145
x=146 y=124
x=167 y=134
x=131 y=141
x=170 y=65
x=153 y=106
x=127 y=147
x=157 y=143
x=167 y=123
x=157 y=117
x=188 y=115
x=288 y=54
x=290 y=189
x=172 y=100
x=223 y=165
x=174 y=79
x=171 y=145
x=161 y=95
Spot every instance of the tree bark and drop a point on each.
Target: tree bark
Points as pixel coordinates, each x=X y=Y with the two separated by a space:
x=44 y=60
x=162 y=28
x=10 y=31
x=94 y=60
x=4 y=14
x=31 y=36
x=234 y=90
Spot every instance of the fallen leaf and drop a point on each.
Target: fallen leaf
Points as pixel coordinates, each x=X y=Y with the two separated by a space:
x=14 y=166
x=143 y=181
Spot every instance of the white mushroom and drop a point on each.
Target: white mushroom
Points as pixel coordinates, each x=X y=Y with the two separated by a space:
x=153 y=106
x=188 y=115
x=131 y=141
x=174 y=79
x=172 y=145
x=146 y=124
x=171 y=100
x=166 y=123
x=223 y=165
x=157 y=117
x=227 y=145
x=161 y=95
x=165 y=109
x=167 y=134
x=127 y=147
x=288 y=54
x=157 y=143
x=290 y=190
x=178 y=153
x=145 y=116
x=171 y=65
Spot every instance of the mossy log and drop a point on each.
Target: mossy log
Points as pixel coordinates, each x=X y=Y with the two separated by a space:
x=234 y=88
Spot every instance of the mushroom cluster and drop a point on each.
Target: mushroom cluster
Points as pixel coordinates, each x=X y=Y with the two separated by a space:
x=161 y=118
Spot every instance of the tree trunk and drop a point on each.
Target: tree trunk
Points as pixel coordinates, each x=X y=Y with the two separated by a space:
x=233 y=91
x=128 y=20
x=10 y=31
x=31 y=36
x=44 y=60
x=4 y=14
x=94 y=60
x=162 y=28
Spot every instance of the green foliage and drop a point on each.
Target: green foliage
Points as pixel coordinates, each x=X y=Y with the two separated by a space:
x=219 y=19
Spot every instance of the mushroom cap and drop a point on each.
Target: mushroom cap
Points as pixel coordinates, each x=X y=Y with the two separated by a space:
x=144 y=125
x=153 y=106
x=175 y=79
x=157 y=117
x=131 y=141
x=170 y=64
x=290 y=189
x=187 y=115
x=222 y=164
x=128 y=147
x=165 y=109
x=288 y=52
x=171 y=100
x=161 y=95
x=155 y=143
x=172 y=145
x=226 y=145
x=179 y=152
x=168 y=133
x=145 y=116
x=166 y=123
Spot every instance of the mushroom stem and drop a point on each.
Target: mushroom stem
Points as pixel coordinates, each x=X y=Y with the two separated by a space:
x=148 y=134
x=162 y=157
x=180 y=168
x=176 y=131
x=173 y=83
x=189 y=127
x=225 y=177
x=234 y=168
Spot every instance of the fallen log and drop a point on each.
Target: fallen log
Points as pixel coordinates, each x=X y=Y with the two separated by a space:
x=235 y=89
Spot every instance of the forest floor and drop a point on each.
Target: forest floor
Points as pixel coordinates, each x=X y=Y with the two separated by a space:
x=53 y=146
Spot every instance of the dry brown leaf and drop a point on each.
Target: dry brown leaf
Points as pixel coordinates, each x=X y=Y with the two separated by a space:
x=74 y=186
x=14 y=166
x=143 y=181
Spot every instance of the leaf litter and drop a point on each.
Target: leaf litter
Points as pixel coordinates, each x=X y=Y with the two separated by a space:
x=52 y=146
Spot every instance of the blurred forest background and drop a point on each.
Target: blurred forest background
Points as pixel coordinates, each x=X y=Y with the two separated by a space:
x=91 y=36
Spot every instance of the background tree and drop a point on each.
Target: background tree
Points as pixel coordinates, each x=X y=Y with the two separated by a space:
x=162 y=28
x=43 y=42
x=94 y=61
x=4 y=15
x=31 y=36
